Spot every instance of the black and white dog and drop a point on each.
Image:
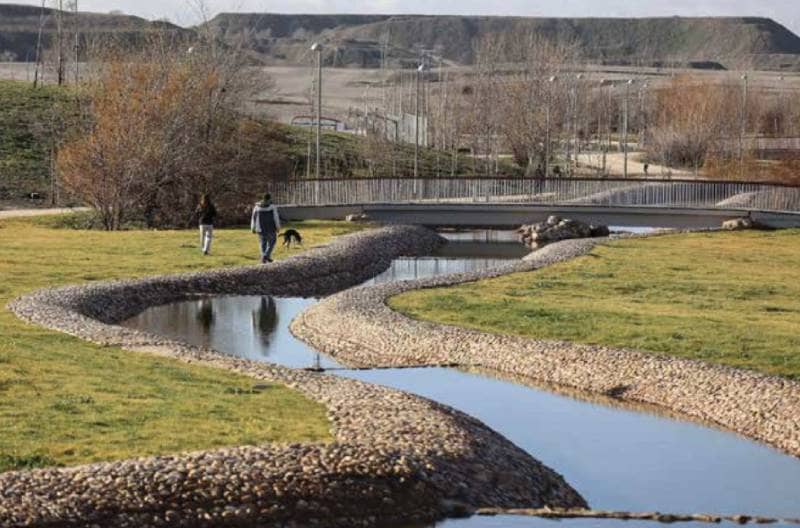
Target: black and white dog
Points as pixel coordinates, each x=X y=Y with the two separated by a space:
x=291 y=235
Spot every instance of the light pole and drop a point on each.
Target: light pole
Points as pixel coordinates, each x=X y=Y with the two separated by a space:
x=550 y=82
x=420 y=71
x=743 y=130
x=625 y=128
x=642 y=116
x=603 y=134
x=317 y=47
x=574 y=147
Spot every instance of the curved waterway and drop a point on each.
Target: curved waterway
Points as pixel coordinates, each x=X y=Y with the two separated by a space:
x=618 y=458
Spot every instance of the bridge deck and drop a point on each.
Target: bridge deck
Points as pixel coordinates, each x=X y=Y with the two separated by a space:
x=514 y=215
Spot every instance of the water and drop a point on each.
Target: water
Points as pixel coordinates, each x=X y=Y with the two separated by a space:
x=616 y=458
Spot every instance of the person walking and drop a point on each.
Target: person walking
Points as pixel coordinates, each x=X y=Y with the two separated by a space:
x=266 y=223
x=206 y=213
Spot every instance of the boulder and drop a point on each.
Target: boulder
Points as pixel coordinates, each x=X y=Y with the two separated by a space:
x=745 y=222
x=555 y=228
x=737 y=224
x=356 y=218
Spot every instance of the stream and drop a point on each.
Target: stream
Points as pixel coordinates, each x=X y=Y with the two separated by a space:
x=617 y=457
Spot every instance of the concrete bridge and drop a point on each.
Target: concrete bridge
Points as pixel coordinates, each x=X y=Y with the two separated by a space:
x=514 y=215
x=506 y=202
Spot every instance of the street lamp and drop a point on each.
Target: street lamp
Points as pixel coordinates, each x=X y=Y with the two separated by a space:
x=575 y=142
x=317 y=47
x=420 y=71
x=551 y=80
x=605 y=138
x=625 y=128
x=743 y=130
x=642 y=116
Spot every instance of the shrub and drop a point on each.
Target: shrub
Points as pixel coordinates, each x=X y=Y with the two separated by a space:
x=165 y=128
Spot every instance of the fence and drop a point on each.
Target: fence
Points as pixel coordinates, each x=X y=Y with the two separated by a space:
x=551 y=191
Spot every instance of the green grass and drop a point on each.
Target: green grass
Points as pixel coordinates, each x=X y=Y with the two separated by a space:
x=29 y=123
x=726 y=298
x=64 y=401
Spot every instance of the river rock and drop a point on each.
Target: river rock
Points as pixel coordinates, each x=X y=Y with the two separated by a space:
x=556 y=228
x=738 y=224
x=393 y=459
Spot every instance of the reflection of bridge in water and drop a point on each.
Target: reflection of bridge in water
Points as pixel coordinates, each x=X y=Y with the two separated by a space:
x=515 y=201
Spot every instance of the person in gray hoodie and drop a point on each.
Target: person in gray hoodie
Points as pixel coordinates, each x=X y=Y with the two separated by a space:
x=266 y=223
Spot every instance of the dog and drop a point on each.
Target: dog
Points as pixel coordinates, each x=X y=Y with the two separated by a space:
x=292 y=236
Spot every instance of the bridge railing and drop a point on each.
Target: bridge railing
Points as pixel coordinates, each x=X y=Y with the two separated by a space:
x=551 y=191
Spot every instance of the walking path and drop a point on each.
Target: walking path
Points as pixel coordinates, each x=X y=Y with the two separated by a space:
x=20 y=213
x=615 y=165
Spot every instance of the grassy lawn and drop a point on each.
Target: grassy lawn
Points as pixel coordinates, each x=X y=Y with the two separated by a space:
x=727 y=298
x=64 y=401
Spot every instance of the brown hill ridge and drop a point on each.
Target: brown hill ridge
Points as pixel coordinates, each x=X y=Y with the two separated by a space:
x=758 y=43
x=367 y=40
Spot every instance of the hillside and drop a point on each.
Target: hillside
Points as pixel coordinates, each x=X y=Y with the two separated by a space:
x=366 y=40
x=356 y=40
x=19 y=28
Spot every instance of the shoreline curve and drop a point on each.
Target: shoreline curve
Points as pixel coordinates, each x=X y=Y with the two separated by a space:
x=395 y=457
x=370 y=334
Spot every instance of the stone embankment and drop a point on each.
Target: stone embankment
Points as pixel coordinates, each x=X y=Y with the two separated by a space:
x=555 y=229
x=395 y=458
x=358 y=328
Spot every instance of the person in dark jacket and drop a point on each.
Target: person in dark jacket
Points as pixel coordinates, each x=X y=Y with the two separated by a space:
x=206 y=213
x=266 y=223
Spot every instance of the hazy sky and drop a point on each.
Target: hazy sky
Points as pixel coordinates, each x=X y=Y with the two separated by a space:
x=785 y=11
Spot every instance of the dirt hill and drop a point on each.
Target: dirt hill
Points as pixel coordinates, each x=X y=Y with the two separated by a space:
x=366 y=40
x=19 y=28
x=758 y=43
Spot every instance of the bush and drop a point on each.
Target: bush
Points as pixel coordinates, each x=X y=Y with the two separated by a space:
x=164 y=129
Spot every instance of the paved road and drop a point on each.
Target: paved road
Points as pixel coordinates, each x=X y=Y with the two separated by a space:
x=18 y=213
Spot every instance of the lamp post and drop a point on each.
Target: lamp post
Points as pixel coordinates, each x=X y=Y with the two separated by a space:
x=642 y=116
x=574 y=147
x=317 y=47
x=550 y=81
x=625 y=128
x=743 y=130
x=420 y=71
x=603 y=134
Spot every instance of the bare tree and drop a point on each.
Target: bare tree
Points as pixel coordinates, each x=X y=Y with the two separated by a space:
x=164 y=126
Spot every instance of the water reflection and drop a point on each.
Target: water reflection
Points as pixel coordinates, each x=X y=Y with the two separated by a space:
x=265 y=319
x=205 y=314
x=466 y=251
x=254 y=327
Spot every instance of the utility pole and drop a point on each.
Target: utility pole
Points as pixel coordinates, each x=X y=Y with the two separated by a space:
x=77 y=42
x=39 y=61
x=60 y=42
x=625 y=128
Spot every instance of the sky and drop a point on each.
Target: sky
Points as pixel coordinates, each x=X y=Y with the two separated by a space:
x=786 y=12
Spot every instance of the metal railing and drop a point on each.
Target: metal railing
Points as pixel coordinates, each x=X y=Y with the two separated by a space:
x=551 y=191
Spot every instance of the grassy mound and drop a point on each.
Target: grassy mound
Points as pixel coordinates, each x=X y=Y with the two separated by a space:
x=726 y=298
x=64 y=401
